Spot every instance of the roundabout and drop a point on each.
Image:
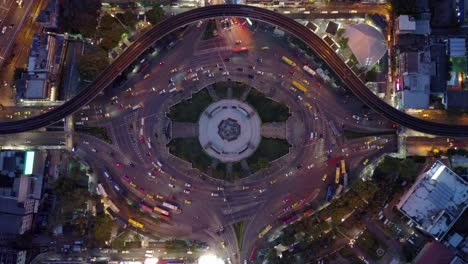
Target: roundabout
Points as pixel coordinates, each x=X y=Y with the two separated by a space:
x=229 y=130
x=230 y=124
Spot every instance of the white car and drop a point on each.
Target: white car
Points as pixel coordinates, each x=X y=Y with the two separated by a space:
x=211 y=75
x=186 y=191
x=356 y=117
x=85 y=142
x=188 y=185
x=220 y=188
x=226 y=73
x=260 y=73
x=94 y=150
x=214 y=194
x=4 y=29
x=171 y=185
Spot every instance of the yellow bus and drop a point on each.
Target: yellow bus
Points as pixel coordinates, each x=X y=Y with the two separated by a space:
x=337 y=175
x=343 y=166
x=288 y=61
x=264 y=231
x=299 y=86
x=135 y=223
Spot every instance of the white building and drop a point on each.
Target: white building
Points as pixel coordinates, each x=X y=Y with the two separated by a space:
x=436 y=200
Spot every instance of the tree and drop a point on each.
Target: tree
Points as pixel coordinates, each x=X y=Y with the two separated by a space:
x=408 y=170
x=103 y=225
x=128 y=18
x=110 y=31
x=92 y=64
x=389 y=165
x=80 y=17
x=155 y=15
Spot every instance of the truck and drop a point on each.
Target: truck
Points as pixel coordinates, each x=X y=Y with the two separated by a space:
x=337 y=175
x=264 y=231
x=343 y=167
x=172 y=207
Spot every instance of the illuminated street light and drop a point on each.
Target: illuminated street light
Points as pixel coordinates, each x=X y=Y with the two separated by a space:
x=210 y=259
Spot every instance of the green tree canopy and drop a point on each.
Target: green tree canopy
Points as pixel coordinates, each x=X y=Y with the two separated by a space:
x=92 y=64
x=155 y=15
x=103 y=225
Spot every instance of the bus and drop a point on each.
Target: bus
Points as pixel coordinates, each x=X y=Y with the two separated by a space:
x=329 y=193
x=172 y=207
x=291 y=219
x=106 y=172
x=288 y=61
x=299 y=86
x=161 y=211
x=309 y=70
x=240 y=49
x=164 y=217
x=337 y=175
x=333 y=161
x=308 y=212
x=100 y=190
x=135 y=223
x=343 y=166
x=253 y=254
x=261 y=234
x=146 y=208
x=112 y=214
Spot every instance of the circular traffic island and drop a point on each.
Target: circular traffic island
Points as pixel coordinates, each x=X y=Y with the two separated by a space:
x=228 y=130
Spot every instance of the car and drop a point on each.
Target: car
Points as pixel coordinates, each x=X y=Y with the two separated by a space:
x=251 y=76
x=17 y=113
x=133 y=184
x=260 y=60
x=187 y=201
x=252 y=67
x=260 y=73
x=228 y=59
x=238 y=41
x=119 y=165
x=126 y=178
x=171 y=185
x=245 y=187
x=172 y=179
x=225 y=73
x=365 y=162
x=160 y=197
x=150 y=196
x=94 y=150
x=356 y=117
x=84 y=118
x=186 y=191
x=261 y=190
x=211 y=75
x=324 y=177
x=273 y=181
x=146 y=76
x=85 y=142
x=131 y=164
x=291 y=72
x=305 y=81
x=142 y=190
x=174 y=70
x=162 y=63
x=299 y=97
x=195 y=79
x=9 y=116
x=188 y=185
x=4 y=29
x=240 y=69
x=213 y=194
x=219 y=188
x=225 y=199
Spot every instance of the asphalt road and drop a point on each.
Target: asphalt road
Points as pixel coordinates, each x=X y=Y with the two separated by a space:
x=321 y=48
x=207 y=214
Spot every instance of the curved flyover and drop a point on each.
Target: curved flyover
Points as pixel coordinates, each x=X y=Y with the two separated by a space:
x=168 y=25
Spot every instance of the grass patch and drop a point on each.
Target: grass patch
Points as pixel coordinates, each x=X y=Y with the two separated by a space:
x=239 y=229
x=269 y=149
x=189 y=110
x=221 y=89
x=370 y=244
x=268 y=110
x=189 y=149
x=99 y=132
x=355 y=134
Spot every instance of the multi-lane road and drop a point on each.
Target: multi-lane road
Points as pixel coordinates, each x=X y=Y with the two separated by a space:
x=300 y=177
x=320 y=47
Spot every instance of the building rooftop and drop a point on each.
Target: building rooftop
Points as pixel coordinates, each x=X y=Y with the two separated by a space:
x=439 y=65
x=416 y=91
x=457 y=47
x=434 y=253
x=457 y=99
x=436 y=200
x=367 y=44
x=36 y=89
x=332 y=27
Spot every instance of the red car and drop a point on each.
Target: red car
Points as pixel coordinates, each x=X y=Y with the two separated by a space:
x=142 y=140
x=161 y=63
x=126 y=178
